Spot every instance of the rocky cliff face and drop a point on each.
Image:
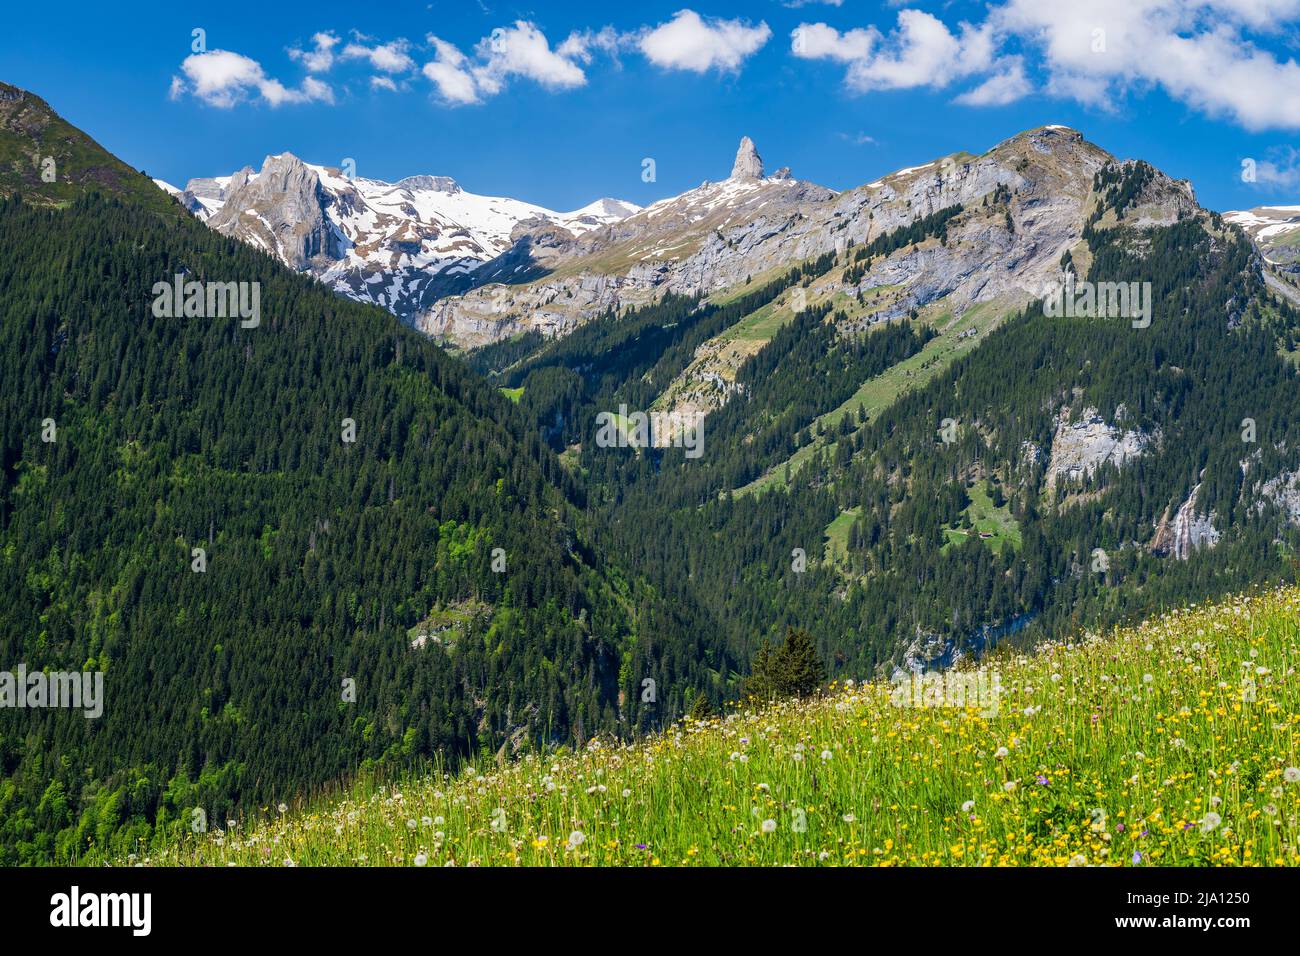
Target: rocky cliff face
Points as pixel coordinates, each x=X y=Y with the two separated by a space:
x=1283 y=491
x=282 y=210
x=1025 y=204
x=397 y=245
x=1082 y=446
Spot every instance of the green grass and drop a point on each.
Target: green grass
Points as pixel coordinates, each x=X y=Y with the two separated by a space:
x=760 y=325
x=727 y=351
x=1291 y=238
x=1175 y=742
x=878 y=393
x=984 y=517
x=837 y=534
x=31 y=132
x=514 y=394
x=732 y=347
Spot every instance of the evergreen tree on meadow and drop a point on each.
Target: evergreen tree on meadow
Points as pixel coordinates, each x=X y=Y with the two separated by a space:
x=791 y=669
x=701 y=709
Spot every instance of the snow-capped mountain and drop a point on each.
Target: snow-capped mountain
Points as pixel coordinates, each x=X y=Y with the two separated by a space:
x=1023 y=204
x=397 y=245
x=1276 y=231
x=472 y=269
x=700 y=240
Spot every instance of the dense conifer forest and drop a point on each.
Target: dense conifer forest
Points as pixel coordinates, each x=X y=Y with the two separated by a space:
x=323 y=560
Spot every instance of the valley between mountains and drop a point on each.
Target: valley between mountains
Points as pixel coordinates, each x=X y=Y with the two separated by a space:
x=905 y=457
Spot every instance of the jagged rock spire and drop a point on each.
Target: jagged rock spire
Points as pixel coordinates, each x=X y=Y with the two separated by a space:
x=748 y=165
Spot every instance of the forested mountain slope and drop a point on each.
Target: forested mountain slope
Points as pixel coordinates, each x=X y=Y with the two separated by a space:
x=911 y=490
x=52 y=162
x=293 y=546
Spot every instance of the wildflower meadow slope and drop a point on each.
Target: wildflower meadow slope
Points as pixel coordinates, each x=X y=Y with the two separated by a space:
x=1170 y=743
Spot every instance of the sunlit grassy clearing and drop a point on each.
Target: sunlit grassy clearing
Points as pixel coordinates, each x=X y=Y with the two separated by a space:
x=998 y=523
x=837 y=534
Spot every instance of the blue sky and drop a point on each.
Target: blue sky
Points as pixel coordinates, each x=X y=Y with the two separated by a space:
x=560 y=103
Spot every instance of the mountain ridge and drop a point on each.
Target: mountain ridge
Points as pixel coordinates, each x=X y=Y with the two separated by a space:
x=51 y=162
x=717 y=236
x=522 y=268
x=389 y=244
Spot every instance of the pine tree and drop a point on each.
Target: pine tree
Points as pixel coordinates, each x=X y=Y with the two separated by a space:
x=701 y=709
x=793 y=669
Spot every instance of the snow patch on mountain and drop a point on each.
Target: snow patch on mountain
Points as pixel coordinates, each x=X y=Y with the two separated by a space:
x=398 y=245
x=1275 y=230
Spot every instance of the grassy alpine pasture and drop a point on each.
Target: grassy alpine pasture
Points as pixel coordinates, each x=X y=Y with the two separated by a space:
x=1175 y=742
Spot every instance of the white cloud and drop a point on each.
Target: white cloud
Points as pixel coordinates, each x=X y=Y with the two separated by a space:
x=1283 y=172
x=580 y=45
x=1203 y=53
x=520 y=50
x=817 y=41
x=1005 y=87
x=924 y=52
x=523 y=50
x=386 y=57
x=222 y=79
x=314 y=89
x=688 y=42
x=448 y=73
x=321 y=57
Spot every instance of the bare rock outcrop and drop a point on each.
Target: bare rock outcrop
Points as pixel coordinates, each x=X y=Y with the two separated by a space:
x=282 y=210
x=748 y=164
x=1082 y=446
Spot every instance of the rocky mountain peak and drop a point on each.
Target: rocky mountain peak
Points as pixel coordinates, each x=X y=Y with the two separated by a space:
x=748 y=165
x=281 y=210
x=283 y=168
